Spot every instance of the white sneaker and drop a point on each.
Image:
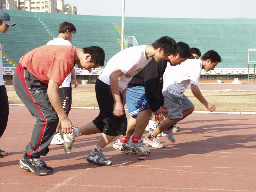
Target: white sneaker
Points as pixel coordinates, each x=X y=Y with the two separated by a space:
x=162 y=134
x=125 y=147
x=175 y=128
x=169 y=135
x=140 y=149
x=154 y=142
x=57 y=139
x=117 y=145
x=68 y=141
x=152 y=125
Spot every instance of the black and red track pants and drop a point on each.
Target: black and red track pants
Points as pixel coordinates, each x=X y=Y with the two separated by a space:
x=33 y=94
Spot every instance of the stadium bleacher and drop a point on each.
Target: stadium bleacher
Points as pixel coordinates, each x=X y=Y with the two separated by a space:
x=230 y=37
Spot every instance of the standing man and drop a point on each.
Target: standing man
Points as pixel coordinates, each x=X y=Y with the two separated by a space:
x=38 y=76
x=111 y=89
x=5 y=23
x=66 y=30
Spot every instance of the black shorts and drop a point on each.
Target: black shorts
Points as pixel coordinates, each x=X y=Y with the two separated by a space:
x=65 y=94
x=106 y=122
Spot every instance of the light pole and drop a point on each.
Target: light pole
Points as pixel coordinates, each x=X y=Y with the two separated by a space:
x=122 y=32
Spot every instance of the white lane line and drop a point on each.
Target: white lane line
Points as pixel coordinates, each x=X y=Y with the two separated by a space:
x=225 y=152
x=148 y=187
x=178 y=170
x=123 y=164
x=66 y=181
x=140 y=165
x=166 y=188
x=206 y=112
x=223 y=167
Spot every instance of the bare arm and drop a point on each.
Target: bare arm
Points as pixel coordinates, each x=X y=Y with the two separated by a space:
x=53 y=95
x=124 y=96
x=73 y=73
x=118 y=108
x=197 y=93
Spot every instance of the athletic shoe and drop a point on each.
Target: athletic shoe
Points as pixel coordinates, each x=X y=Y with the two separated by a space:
x=162 y=134
x=35 y=165
x=50 y=169
x=169 y=135
x=3 y=153
x=118 y=145
x=125 y=147
x=153 y=142
x=45 y=165
x=57 y=139
x=140 y=149
x=68 y=141
x=152 y=125
x=98 y=158
x=175 y=128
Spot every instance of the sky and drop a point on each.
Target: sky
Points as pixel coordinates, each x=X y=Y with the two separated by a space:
x=168 y=8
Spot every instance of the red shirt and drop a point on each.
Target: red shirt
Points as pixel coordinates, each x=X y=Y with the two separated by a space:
x=47 y=62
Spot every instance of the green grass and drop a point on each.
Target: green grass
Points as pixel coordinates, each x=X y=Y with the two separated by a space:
x=224 y=101
x=227 y=101
x=84 y=98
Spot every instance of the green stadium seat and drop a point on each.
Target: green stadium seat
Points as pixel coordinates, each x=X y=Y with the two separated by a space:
x=230 y=37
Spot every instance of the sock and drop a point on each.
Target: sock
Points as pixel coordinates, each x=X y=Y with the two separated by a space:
x=30 y=157
x=124 y=139
x=76 y=132
x=96 y=149
x=135 y=139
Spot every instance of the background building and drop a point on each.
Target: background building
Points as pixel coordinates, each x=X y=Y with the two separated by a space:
x=2 y=4
x=47 y=6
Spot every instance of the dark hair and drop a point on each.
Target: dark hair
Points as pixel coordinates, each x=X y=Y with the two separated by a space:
x=167 y=43
x=97 y=54
x=66 y=26
x=1 y=21
x=196 y=51
x=212 y=55
x=183 y=49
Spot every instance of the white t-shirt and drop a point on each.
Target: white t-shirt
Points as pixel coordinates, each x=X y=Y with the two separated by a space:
x=61 y=41
x=178 y=78
x=130 y=61
x=1 y=68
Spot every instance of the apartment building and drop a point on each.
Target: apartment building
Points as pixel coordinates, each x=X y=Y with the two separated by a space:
x=48 y=6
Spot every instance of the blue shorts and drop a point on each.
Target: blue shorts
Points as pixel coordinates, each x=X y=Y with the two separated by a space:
x=136 y=100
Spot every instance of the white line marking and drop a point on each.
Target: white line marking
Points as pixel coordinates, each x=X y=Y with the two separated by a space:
x=223 y=167
x=123 y=164
x=167 y=188
x=65 y=182
x=141 y=187
x=226 y=152
x=141 y=165
x=206 y=112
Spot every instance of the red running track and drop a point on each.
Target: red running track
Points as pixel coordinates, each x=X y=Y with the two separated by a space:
x=213 y=152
